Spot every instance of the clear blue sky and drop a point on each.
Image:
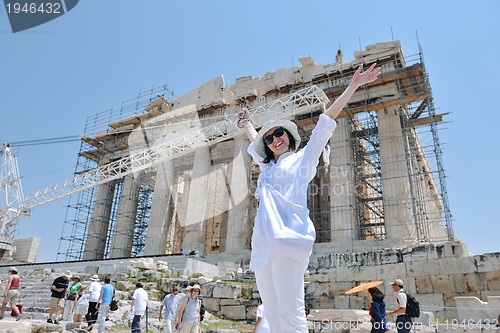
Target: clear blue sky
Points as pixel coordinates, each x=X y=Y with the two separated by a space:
x=104 y=52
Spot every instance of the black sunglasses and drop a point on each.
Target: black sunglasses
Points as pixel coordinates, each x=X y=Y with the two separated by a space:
x=277 y=133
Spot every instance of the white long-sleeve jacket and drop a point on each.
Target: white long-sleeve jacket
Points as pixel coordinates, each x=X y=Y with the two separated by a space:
x=282 y=225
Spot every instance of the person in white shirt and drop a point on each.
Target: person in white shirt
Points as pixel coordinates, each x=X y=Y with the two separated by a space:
x=138 y=307
x=283 y=234
x=403 y=321
x=261 y=324
x=94 y=290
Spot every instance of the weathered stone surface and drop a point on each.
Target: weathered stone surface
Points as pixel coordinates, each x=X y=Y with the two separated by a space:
x=476 y=281
x=389 y=257
x=425 y=318
x=129 y=270
x=106 y=270
x=364 y=273
x=338 y=315
x=472 y=309
x=391 y=271
x=318 y=289
x=458 y=282
x=487 y=262
x=321 y=275
x=125 y=285
x=422 y=268
x=424 y=285
x=208 y=289
x=324 y=302
x=430 y=302
x=118 y=277
x=356 y=302
x=344 y=274
x=441 y=283
x=212 y=304
x=226 y=291
x=227 y=301
x=493 y=280
x=203 y=279
x=457 y=265
x=234 y=312
x=91 y=270
x=342 y=302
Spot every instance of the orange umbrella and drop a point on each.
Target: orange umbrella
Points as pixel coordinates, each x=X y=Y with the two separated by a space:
x=363 y=286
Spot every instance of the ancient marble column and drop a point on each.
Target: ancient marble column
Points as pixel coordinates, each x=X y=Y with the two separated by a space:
x=342 y=201
x=161 y=210
x=124 y=228
x=98 y=229
x=197 y=201
x=239 y=170
x=398 y=211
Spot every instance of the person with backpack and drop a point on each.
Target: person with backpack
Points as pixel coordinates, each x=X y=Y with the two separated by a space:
x=403 y=320
x=190 y=312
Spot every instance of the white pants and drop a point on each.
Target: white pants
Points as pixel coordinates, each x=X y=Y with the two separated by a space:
x=169 y=326
x=189 y=328
x=281 y=287
x=68 y=307
x=101 y=319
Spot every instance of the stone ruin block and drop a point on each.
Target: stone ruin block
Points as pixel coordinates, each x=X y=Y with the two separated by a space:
x=472 y=309
x=493 y=280
x=488 y=262
x=233 y=312
x=441 y=284
x=227 y=291
x=424 y=285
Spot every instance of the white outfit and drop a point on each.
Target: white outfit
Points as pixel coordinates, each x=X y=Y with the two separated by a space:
x=263 y=324
x=283 y=234
x=67 y=313
x=82 y=305
x=402 y=299
x=141 y=301
x=94 y=291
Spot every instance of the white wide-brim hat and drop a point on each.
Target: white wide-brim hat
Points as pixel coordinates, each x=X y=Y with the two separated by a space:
x=94 y=277
x=290 y=126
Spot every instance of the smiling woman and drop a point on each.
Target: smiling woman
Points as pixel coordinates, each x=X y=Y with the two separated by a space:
x=283 y=234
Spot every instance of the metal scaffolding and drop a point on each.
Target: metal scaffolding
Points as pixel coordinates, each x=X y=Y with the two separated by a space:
x=401 y=97
x=110 y=139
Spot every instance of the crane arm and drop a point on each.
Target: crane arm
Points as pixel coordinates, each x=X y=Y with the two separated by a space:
x=297 y=103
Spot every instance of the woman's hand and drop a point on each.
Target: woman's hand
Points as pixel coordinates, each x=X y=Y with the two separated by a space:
x=243 y=114
x=359 y=78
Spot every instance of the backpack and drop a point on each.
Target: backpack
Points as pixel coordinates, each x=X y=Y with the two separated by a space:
x=202 y=312
x=412 y=306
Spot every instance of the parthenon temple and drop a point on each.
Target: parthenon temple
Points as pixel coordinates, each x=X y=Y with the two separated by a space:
x=380 y=182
